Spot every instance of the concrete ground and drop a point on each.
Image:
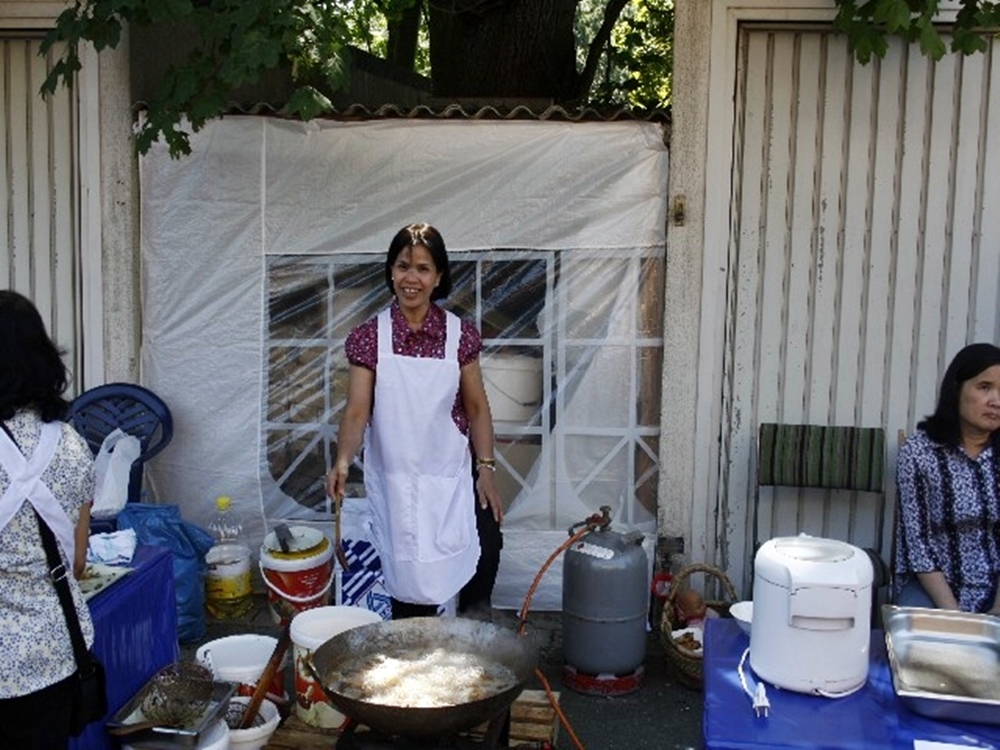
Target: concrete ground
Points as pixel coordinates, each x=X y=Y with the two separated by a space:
x=662 y=714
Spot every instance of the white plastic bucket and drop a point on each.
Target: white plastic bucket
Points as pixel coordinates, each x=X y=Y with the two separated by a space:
x=309 y=631
x=242 y=659
x=299 y=579
x=257 y=737
x=513 y=385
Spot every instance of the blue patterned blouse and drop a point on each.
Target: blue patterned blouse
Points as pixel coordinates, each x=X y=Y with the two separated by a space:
x=949 y=516
x=35 y=649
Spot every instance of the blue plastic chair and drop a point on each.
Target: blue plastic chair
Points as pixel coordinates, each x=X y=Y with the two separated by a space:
x=136 y=410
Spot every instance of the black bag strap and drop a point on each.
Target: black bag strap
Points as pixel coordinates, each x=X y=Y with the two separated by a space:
x=59 y=579
x=58 y=572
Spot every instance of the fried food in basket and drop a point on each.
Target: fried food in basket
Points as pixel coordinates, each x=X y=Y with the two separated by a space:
x=688 y=640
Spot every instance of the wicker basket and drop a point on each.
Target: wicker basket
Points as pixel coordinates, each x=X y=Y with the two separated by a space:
x=688 y=666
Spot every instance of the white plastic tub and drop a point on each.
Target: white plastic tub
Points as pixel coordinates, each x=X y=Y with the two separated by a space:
x=255 y=737
x=242 y=659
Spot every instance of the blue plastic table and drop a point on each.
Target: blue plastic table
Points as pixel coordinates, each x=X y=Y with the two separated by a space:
x=870 y=719
x=135 y=633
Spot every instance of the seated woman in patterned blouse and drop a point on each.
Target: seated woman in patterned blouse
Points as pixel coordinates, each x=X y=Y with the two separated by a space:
x=948 y=492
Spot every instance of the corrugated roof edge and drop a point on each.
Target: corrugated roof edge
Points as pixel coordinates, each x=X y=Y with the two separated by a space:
x=458 y=110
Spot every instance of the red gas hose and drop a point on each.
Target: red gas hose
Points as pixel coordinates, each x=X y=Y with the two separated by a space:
x=591 y=524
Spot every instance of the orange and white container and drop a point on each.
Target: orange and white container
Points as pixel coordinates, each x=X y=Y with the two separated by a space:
x=300 y=578
x=310 y=630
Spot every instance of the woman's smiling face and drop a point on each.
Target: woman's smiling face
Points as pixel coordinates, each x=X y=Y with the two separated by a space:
x=414 y=277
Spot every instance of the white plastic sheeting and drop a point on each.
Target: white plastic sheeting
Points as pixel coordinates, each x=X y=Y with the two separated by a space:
x=262 y=247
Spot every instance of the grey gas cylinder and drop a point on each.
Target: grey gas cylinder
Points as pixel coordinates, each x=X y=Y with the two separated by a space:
x=604 y=602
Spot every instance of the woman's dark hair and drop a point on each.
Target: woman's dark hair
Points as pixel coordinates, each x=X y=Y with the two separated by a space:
x=943 y=426
x=32 y=372
x=429 y=237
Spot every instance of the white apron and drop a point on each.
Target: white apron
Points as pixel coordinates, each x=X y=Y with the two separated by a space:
x=418 y=473
x=26 y=484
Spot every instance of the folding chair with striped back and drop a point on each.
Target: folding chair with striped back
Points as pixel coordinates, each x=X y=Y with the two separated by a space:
x=829 y=458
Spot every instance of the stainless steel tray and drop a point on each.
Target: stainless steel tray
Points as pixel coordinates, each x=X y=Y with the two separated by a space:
x=171 y=737
x=945 y=664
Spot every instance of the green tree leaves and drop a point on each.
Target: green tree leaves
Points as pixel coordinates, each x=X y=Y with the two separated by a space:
x=867 y=26
x=624 y=47
x=636 y=67
x=238 y=41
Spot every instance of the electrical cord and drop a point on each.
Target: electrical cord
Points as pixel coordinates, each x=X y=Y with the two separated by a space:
x=758 y=698
x=844 y=694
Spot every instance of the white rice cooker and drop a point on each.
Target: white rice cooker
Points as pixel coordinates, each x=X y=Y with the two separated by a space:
x=811 y=615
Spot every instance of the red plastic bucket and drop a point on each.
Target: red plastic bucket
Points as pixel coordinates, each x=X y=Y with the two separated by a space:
x=299 y=579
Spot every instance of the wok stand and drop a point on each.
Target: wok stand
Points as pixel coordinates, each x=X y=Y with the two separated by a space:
x=497 y=736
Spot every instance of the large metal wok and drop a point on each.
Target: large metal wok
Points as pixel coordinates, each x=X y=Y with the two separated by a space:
x=419 y=636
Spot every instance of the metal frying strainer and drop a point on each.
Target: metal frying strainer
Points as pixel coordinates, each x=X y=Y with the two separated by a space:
x=178 y=694
x=235 y=712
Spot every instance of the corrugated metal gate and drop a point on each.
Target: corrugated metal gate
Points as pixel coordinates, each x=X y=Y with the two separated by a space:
x=865 y=239
x=39 y=217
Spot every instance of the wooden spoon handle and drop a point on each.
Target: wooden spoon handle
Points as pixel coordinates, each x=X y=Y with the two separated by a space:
x=338 y=547
x=266 y=677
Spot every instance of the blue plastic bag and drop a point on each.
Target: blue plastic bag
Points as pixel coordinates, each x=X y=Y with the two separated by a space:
x=162 y=526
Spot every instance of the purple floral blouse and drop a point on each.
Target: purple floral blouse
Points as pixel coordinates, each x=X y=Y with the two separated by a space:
x=362 y=346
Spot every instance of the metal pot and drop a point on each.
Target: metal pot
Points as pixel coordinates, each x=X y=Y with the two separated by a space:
x=420 y=635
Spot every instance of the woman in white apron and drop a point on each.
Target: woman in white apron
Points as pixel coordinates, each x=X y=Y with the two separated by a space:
x=416 y=385
x=46 y=471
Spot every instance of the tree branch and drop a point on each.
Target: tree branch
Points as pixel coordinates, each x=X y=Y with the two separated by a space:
x=612 y=12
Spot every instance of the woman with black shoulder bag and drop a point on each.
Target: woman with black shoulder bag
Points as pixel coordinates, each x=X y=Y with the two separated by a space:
x=46 y=482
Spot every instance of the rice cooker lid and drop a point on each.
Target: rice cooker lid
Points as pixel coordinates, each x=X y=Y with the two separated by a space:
x=807 y=560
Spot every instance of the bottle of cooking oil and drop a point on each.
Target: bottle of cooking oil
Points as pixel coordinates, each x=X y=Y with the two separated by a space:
x=228 y=595
x=226 y=525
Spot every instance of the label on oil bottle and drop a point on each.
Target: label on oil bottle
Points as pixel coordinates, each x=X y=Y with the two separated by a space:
x=227 y=592
x=227 y=580
x=227 y=586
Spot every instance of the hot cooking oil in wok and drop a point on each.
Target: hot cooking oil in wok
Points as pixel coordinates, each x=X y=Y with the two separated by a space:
x=436 y=679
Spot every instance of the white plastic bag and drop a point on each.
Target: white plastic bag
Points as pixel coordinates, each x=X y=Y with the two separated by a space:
x=112 y=467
